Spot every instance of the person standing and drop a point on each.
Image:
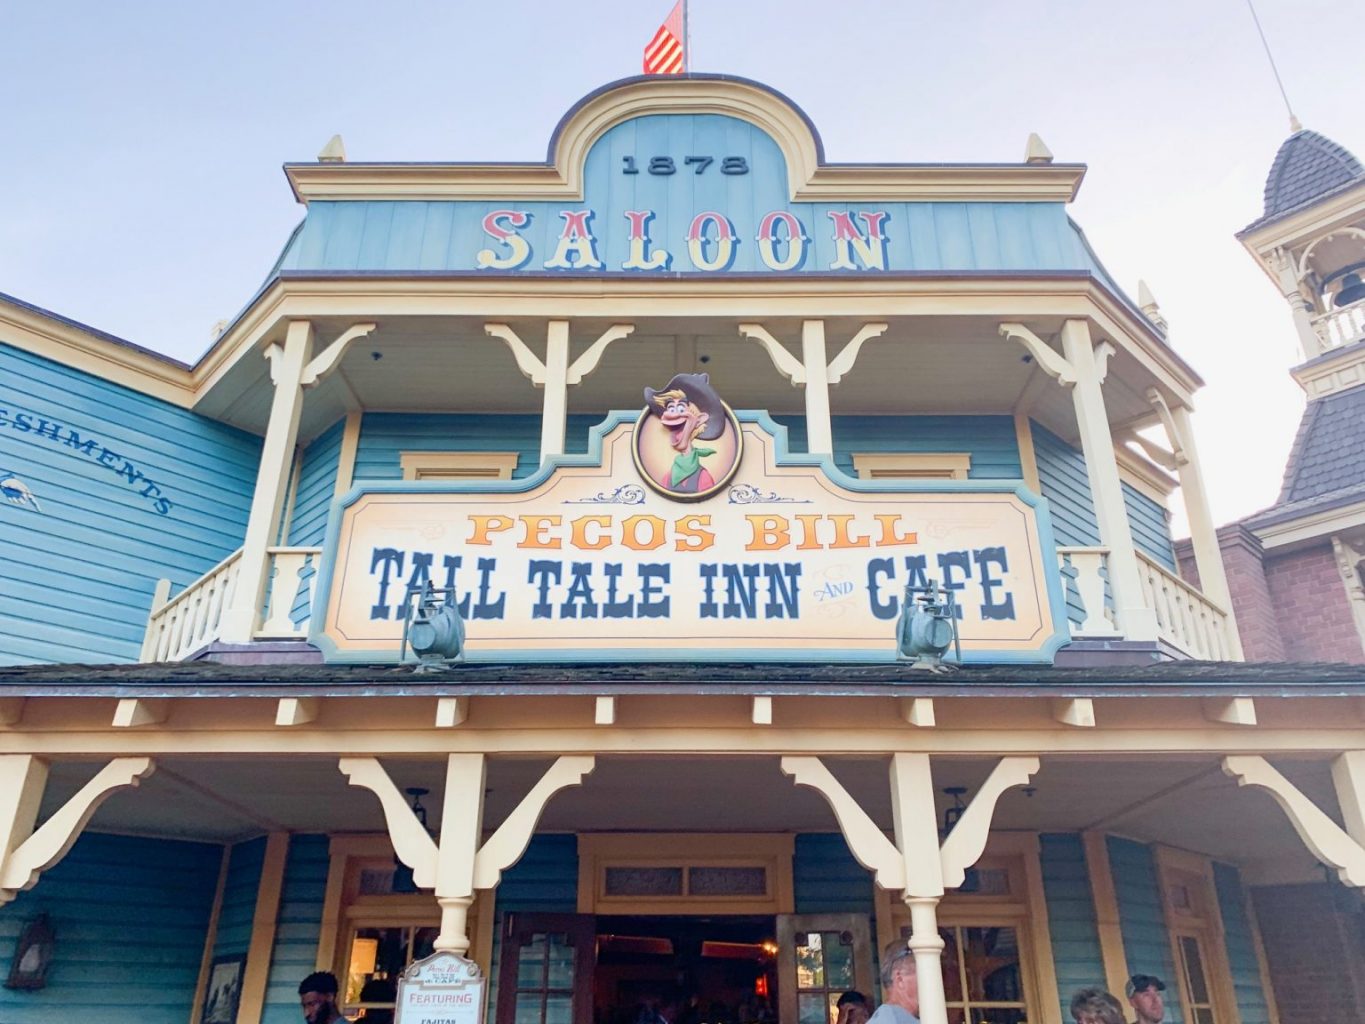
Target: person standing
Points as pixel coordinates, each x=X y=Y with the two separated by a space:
x=318 y=997
x=1144 y=995
x=1095 y=1006
x=900 y=987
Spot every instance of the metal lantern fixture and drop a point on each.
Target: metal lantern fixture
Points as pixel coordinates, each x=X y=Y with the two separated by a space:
x=402 y=874
x=928 y=627
x=432 y=628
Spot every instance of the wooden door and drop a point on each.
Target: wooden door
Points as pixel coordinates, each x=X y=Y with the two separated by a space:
x=545 y=969
x=821 y=956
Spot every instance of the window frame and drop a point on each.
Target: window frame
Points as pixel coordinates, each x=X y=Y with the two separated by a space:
x=418 y=466
x=912 y=465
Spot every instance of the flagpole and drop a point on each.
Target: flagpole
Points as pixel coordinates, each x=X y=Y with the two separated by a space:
x=687 y=41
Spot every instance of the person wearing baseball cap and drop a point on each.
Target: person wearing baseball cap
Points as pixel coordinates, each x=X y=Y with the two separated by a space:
x=1144 y=995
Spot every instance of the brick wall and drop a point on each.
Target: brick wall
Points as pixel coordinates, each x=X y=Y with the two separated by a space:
x=1314 y=938
x=1252 y=604
x=1306 y=589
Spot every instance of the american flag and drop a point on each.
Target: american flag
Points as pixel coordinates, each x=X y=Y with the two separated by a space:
x=665 y=54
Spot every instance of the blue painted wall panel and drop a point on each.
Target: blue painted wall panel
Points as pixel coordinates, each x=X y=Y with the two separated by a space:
x=317 y=482
x=1146 y=943
x=544 y=881
x=125 y=954
x=239 y=898
x=1151 y=526
x=1062 y=476
x=826 y=879
x=298 y=927
x=447 y=235
x=78 y=575
x=385 y=436
x=1241 y=946
x=990 y=440
x=1070 y=916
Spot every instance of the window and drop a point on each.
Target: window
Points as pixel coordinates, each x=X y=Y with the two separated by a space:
x=983 y=978
x=913 y=465
x=377 y=957
x=458 y=465
x=824 y=971
x=1196 y=982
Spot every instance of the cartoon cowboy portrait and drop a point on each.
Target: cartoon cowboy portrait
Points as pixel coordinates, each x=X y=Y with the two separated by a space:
x=687 y=442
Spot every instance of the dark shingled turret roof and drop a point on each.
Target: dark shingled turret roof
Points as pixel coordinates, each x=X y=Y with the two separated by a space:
x=1307 y=167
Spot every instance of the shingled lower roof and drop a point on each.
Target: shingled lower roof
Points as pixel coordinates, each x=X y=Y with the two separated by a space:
x=1329 y=449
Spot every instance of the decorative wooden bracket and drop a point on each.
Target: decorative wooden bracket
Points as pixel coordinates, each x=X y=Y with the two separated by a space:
x=534 y=367
x=967 y=841
x=43 y=847
x=1104 y=351
x=787 y=364
x=1052 y=364
x=1158 y=402
x=843 y=362
x=1161 y=456
x=865 y=840
x=505 y=846
x=527 y=361
x=874 y=851
x=321 y=365
x=587 y=362
x=795 y=370
x=419 y=851
x=1325 y=838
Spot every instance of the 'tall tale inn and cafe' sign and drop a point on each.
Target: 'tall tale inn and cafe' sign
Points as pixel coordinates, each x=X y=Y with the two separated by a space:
x=689 y=532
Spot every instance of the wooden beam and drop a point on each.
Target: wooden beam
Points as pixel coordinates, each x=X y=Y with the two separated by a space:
x=763 y=711
x=1075 y=711
x=919 y=711
x=294 y=711
x=1230 y=710
x=451 y=711
x=11 y=710
x=604 y=711
x=133 y=712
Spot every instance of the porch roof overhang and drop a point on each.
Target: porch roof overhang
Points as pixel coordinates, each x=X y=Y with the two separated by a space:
x=214 y=679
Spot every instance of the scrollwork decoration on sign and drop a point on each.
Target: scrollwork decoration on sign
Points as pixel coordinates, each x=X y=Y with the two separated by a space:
x=626 y=494
x=748 y=494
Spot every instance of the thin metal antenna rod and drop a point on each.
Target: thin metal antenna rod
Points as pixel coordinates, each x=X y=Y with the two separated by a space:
x=1294 y=124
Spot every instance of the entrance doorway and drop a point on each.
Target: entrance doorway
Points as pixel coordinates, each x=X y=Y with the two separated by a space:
x=696 y=970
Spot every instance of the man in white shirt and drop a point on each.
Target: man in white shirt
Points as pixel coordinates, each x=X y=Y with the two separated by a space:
x=900 y=987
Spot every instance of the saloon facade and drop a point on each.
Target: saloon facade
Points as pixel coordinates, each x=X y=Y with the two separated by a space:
x=675 y=417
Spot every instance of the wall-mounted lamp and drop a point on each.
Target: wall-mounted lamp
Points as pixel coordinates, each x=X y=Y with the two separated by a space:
x=402 y=874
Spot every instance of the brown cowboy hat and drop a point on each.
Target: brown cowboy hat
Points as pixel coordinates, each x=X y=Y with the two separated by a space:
x=697 y=388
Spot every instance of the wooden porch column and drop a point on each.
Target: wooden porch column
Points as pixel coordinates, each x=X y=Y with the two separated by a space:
x=287 y=364
x=819 y=430
x=1135 y=619
x=1288 y=277
x=916 y=825
x=1208 y=555
x=556 y=409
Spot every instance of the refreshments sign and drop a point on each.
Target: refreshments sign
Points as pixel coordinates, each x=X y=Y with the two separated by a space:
x=689 y=533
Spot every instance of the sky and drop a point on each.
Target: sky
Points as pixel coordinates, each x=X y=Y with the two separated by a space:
x=141 y=191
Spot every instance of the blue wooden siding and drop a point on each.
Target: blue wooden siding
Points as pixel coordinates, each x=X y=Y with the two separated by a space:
x=239 y=898
x=78 y=576
x=826 y=879
x=1062 y=476
x=1142 y=921
x=1241 y=946
x=317 y=484
x=1070 y=917
x=1151 y=526
x=990 y=440
x=297 y=927
x=127 y=953
x=385 y=436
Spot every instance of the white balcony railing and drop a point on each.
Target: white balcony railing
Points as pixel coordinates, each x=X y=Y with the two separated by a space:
x=1186 y=619
x=1340 y=327
x=180 y=625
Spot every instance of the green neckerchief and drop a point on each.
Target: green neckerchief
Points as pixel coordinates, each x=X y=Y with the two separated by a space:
x=685 y=465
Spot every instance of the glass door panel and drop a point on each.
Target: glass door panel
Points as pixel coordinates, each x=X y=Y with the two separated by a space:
x=545 y=974
x=820 y=957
